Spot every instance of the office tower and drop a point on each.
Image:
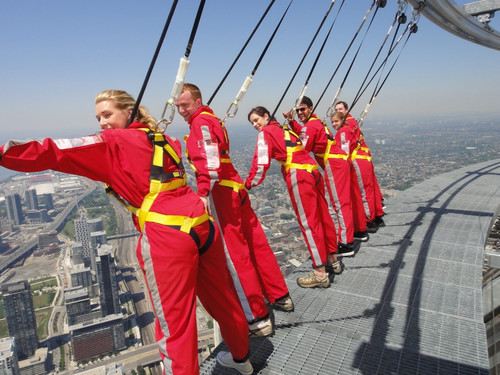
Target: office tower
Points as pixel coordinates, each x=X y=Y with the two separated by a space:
x=95 y=225
x=77 y=302
x=8 y=357
x=106 y=279
x=31 y=199
x=47 y=239
x=20 y=316
x=82 y=234
x=48 y=201
x=14 y=208
x=81 y=276
x=98 y=239
x=101 y=336
x=77 y=254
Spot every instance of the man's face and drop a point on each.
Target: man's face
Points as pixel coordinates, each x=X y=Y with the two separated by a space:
x=186 y=105
x=304 y=112
x=340 y=108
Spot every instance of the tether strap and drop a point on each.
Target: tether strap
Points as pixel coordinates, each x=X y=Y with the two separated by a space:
x=292 y=147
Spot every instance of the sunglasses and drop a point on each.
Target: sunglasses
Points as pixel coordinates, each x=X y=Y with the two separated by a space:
x=301 y=109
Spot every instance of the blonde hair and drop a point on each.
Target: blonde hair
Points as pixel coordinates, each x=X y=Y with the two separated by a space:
x=124 y=101
x=339 y=116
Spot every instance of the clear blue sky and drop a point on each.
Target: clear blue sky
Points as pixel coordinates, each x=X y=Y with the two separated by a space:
x=56 y=55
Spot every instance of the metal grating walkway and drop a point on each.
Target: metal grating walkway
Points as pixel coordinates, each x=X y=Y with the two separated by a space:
x=410 y=300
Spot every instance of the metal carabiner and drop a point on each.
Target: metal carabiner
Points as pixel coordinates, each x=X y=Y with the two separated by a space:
x=228 y=112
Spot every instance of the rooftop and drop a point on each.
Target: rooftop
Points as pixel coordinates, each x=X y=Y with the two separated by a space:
x=409 y=302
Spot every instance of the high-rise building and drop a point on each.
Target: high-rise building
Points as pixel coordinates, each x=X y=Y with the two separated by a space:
x=101 y=336
x=81 y=276
x=14 y=208
x=77 y=253
x=82 y=234
x=8 y=357
x=98 y=238
x=20 y=316
x=95 y=225
x=48 y=201
x=31 y=199
x=106 y=279
x=77 y=302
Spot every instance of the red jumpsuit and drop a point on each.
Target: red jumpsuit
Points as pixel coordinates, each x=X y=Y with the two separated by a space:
x=252 y=262
x=365 y=174
x=172 y=258
x=317 y=139
x=338 y=177
x=305 y=186
x=362 y=180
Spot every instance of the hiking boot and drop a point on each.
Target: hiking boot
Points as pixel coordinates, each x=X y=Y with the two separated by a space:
x=225 y=359
x=261 y=328
x=361 y=236
x=345 y=250
x=313 y=281
x=284 y=304
x=335 y=268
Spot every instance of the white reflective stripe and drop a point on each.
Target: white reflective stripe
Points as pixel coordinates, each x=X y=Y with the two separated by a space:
x=338 y=208
x=303 y=218
x=262 y=150
x=63 y=144
x=232 y=270
x=155 y=295
x=361 y=187
x=259 y=175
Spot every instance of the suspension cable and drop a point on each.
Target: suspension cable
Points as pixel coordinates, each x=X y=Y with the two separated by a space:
x=249 y=79
x=153 y=61
x=400 y=18
x=162 y=124
x=304 y=88
x=345 y=53
x=303 y=57
x=413 y=28
x=240 y=53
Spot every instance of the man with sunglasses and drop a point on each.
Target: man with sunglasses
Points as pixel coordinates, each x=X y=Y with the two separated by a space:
x=315 y=136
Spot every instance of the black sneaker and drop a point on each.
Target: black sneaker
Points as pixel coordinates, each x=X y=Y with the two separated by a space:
x=361 y=236
x=383 y=205
x=284 y=304
x=379 y=221
x=335 y=268
x=371 y=226
x=345 y=250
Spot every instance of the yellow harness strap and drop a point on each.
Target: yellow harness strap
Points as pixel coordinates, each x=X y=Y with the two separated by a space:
x=292 y=147
x=232 y=184
x=356 y=156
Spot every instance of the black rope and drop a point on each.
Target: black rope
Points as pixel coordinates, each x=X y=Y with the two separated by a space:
x=271 y=39
x=401 y=19
x=155 y=56
x=240 y=53
x=384 y=62
x=303 y=57
x=194 y=29
x=345 y=54
x=323 y=46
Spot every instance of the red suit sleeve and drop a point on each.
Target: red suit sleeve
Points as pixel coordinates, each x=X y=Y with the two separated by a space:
x=261 y=160
x=203 y=148
x=84 y=156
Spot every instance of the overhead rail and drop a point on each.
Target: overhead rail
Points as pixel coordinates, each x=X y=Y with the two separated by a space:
x=454 y=19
